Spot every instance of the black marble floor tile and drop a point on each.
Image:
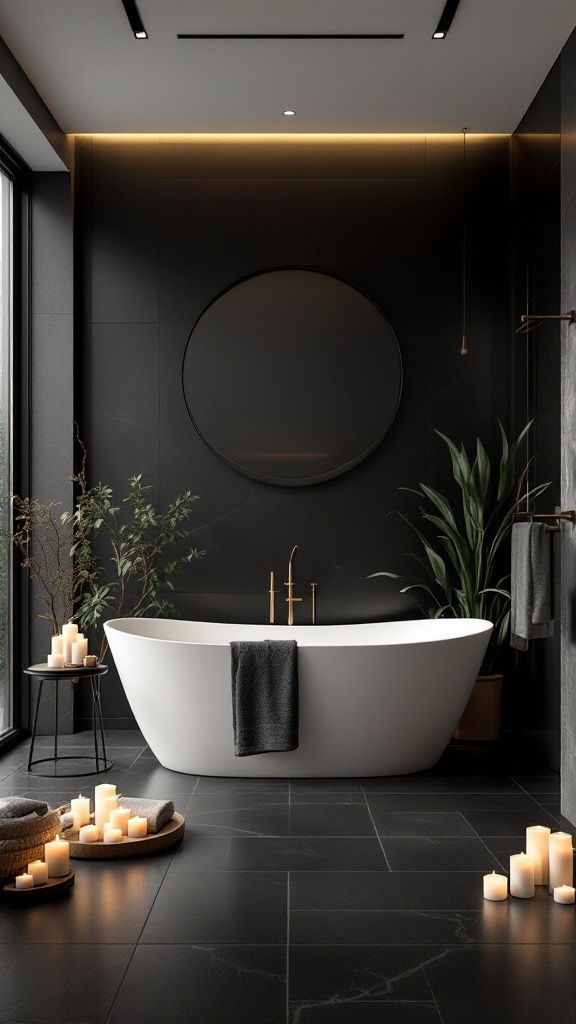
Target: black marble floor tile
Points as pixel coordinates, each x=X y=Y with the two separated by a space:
x=200 y=853
x=549 y=783
x=330 y=820
x=208 y=784
x=386 y=890
x=327 y=796
x=349 y=974
x=419 y=823
x=403 y=1012
x=401 y=802
x=301 y=788
x=244 y=907
x=249 y=814
x=374 y=927
x=438 y=853
x=109 y=903
x=205 y=984
x=504 y=984
x=440 y=784
x=294 y=853
x=502 y=848
x=40 y=982
x=507 y=823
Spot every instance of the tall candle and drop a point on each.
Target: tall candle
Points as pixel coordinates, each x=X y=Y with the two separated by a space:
x=537 y=841
x=39 y=871
x=56 y=645
x=495 y=887
x=79 y=650
x=521 y=876
x=56 y=855
x=69 y=634
x=561 y=869
x=80 y=808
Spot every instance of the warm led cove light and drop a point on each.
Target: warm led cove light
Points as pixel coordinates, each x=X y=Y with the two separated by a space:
x=289 y=113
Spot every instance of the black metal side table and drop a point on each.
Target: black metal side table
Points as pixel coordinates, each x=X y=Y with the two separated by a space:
x=55 y=675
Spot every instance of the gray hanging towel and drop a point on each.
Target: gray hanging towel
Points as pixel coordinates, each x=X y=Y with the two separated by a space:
x=530 y=585
x=264 y=696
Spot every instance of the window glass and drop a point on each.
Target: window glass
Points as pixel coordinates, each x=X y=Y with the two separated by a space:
x=5 y=448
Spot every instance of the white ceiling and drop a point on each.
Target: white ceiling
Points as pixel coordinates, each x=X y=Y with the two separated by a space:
x=95 y=77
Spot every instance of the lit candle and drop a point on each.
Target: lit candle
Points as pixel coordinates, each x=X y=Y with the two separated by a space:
x=495 y=887
x=105 y=800
x=69 y=634
x=521 y=876
x=137 y=828
x=119 y=819
x=564 y=894
x=24 y=881
x=88 y=834
x=79 y=650
x=561 y=871
x=56 y=645
x=80 y=812
x=537 y=841
x=112 y=835
x=56 y=855
x=39 y=871
x=55 y=661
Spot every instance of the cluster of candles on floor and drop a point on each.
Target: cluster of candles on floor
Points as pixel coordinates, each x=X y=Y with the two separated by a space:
x=548 y=861
x=70 y=648
x=111 y=824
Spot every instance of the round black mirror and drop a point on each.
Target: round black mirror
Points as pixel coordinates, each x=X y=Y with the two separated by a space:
x=292 y=376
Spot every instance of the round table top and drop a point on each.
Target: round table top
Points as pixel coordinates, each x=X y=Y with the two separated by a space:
x=65 y=673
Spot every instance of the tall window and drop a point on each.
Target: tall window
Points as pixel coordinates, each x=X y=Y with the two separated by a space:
x=5 y=448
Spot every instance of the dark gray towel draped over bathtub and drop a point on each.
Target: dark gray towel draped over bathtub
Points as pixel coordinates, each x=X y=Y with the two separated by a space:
x=264 y=696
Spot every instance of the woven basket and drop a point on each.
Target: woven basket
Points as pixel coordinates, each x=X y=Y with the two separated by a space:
x=22 y=840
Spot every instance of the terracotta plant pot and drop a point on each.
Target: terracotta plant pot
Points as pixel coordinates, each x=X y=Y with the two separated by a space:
x=481 y=719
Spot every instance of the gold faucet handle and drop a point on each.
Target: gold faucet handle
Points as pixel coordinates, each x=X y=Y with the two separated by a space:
x=293 y=600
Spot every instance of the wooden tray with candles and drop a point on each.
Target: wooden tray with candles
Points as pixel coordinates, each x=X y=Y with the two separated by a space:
x=172 y=831
x=39 y=893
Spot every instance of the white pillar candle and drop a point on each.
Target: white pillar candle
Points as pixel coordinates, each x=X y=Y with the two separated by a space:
x=80 y=808
x=55 y=661
x=79 y=650
x=537 y=841
x=56 y=645
x=104 y=792
x=521 y=876
x=24 y=881
x=112 y=835
x=69 y=634
x=561 y=860
x=39 y=871
x=564 y=894
x=137 y=827
x=495 y=887
x=56 y=855
x=119 y=819
x=88 y=834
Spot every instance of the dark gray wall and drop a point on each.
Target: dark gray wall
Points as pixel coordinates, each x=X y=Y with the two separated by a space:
x=534 y=690
x=164 y=226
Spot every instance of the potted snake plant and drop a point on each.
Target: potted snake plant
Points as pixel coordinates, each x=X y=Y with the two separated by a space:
x=465 y=565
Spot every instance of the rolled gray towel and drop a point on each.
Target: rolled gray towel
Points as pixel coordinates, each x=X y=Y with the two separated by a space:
x=21 y=807
x=158 y=812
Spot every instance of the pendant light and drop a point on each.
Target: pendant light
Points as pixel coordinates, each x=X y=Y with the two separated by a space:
x=464 y=345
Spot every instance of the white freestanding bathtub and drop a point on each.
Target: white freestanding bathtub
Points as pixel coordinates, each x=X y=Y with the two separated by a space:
x=378 y=698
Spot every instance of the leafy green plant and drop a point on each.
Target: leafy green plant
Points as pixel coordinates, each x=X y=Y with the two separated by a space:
x=44 y=545
x=465 y=574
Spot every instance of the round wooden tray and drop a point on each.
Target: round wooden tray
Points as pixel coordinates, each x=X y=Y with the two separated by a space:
x=50 y=890
x=173 y=831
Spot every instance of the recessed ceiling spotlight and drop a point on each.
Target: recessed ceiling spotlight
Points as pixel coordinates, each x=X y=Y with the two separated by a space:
x=133 y=15
x=446 y=18
x=289 y=113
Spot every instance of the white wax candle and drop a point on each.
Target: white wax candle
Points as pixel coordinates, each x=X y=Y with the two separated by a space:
x=112 y=835
x=495 y=887
x=119 y=819
x=521 y=876
x=79 y=651
x=56 y=855
x=561 y=860
x=24 y=881
x=55 y=661
x=39 y=871
x=102 y=793
x=88 y=834
x=537 y=841
x=137 y=827
x=56 y=645
x=564 y=894
x=69 y=634
x=80 y=808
